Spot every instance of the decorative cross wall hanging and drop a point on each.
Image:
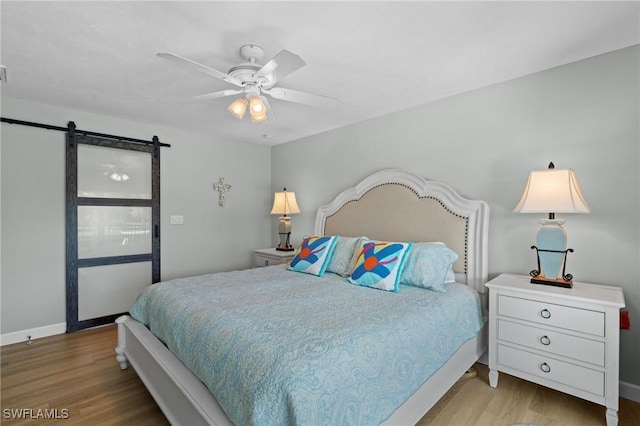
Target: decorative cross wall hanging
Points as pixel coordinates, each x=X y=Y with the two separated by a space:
x=221 y=187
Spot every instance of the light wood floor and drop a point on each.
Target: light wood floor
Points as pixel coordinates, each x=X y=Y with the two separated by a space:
x=78 y=372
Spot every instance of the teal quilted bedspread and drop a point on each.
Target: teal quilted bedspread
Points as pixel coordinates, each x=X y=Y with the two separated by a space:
x=278 y=347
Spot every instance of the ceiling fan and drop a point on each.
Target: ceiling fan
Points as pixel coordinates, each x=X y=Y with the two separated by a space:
x=254 y=81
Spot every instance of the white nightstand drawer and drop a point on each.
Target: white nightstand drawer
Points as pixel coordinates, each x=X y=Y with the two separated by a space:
x=271 y=256
x=582 y=320
x=582 y=378
x=550 y=341
x=266 y=261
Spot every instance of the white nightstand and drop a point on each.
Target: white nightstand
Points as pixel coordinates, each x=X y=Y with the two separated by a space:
x=567 y=339
x=271 y=256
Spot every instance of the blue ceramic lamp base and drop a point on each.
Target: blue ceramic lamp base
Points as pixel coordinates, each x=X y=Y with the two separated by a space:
x=551 y=243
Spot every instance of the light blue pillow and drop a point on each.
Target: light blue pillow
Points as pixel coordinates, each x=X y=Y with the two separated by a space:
x=428 y=265
x=312 y=257
x=342 y=255
x=379 y=265
x=451 y=276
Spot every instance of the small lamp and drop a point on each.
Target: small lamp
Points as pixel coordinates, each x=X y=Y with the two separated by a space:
x=285 y=203
x=552 y=191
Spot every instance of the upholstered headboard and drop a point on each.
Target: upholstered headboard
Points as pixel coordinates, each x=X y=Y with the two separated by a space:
x=396 y=205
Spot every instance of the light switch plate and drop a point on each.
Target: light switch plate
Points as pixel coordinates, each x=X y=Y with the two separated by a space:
x=176 y=220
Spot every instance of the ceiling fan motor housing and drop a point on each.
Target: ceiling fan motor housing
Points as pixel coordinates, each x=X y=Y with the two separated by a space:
x=245 y=72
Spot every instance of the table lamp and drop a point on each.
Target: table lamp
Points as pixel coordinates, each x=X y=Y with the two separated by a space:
x=552 y=191
x=284 y=203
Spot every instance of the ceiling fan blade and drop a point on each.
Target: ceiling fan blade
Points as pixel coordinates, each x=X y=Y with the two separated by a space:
x=215 y=95
x=199 y=67
x=284 y=63
x=296 y=96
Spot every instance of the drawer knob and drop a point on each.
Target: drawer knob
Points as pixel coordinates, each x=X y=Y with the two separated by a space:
x=545 y=367
x=545 y=340
x=545 y=314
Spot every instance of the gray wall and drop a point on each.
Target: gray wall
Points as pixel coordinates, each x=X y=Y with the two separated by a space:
x=483 y=143
x=213 y=238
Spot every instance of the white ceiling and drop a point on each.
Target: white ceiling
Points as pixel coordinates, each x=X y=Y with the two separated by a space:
x=375 y=57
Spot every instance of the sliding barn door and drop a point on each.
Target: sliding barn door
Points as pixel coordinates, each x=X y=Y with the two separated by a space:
x=113 y=226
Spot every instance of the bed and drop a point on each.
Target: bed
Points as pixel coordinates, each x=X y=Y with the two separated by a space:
x=410 y=369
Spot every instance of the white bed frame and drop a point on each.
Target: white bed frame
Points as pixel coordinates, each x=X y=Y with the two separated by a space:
x=186 y=401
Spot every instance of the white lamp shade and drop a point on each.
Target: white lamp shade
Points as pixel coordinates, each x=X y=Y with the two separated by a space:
x=257 y=109
x=552 y=191
x=238 y=107
x=285 y=203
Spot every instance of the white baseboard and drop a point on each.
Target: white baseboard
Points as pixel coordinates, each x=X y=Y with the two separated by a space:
x=35 y=333
x=630 y=391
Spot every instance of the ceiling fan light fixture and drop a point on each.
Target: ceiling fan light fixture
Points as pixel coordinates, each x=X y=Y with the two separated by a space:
x=256 y=105
x=238 y=107
x=256 y=118
x=257 y=109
